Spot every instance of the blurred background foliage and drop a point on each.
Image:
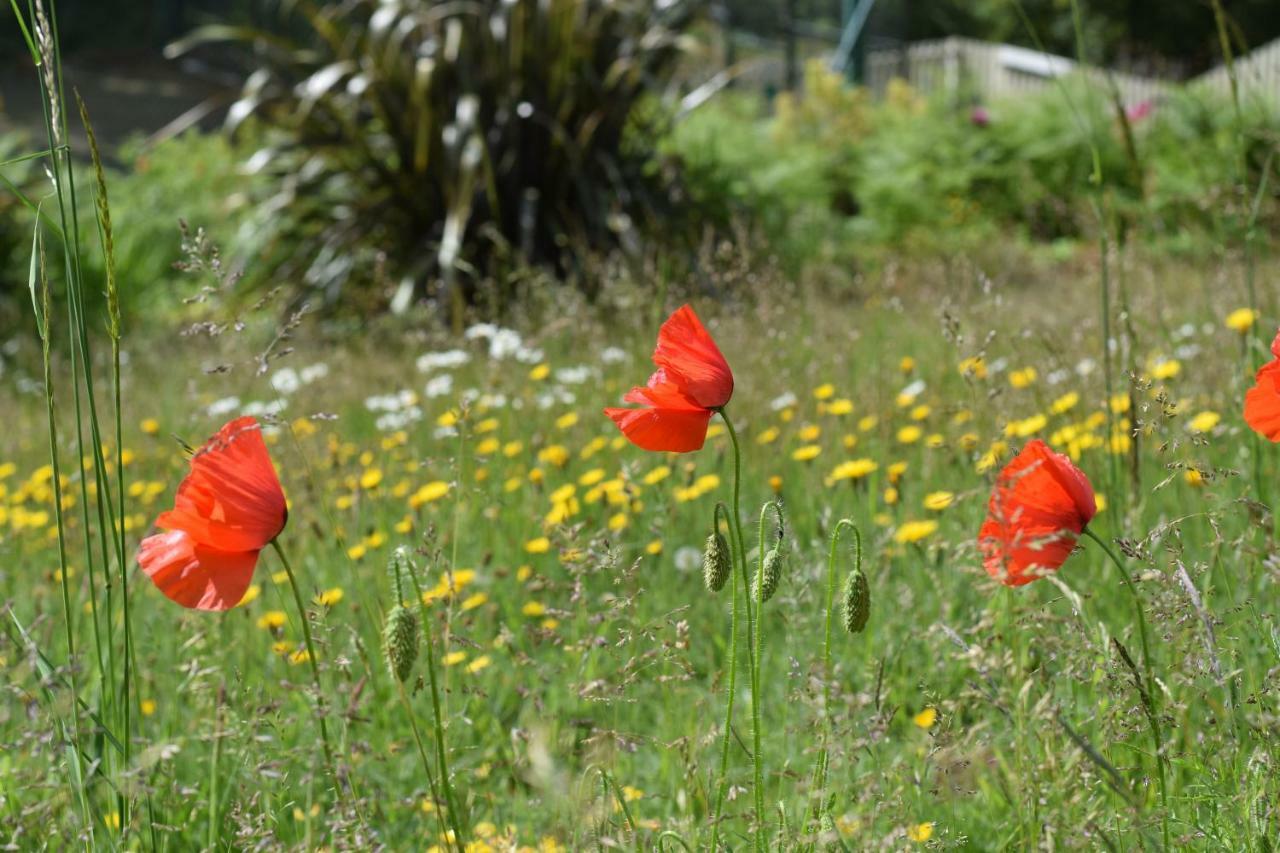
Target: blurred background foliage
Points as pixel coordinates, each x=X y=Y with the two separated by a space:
x=390 y=153
x=434 y=142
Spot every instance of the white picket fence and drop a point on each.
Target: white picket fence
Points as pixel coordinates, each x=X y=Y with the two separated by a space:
x=993 y=71
x=1257 y=74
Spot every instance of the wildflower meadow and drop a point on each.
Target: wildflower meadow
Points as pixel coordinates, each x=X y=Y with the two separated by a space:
x=971 y=548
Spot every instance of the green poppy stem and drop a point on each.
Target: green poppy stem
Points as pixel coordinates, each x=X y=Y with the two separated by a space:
x=315 y=667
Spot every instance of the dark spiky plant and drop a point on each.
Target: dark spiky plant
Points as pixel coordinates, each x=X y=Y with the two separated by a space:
x=430 y=138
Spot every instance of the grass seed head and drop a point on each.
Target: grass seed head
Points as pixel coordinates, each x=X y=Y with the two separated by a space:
x=400 y=641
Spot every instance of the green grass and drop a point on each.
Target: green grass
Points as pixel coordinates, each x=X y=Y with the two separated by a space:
x=598 y=659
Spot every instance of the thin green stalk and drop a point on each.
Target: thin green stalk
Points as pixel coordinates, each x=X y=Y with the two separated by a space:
x=106 y=239
x=315 y=666
x=212 y=828
x=736 y=518
x=821 y=766
x=732 y=691
x=610 y=786
x=442 y=755
x=41 y=308
x=426 y=763
x=757 y=760
x=1153 y=716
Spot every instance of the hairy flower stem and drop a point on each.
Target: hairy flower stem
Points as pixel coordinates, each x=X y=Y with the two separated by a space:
x=315 y=667
x=723 y=782
x=820 y=766
x=757 y=761
x=1153 y=715
x=735 y=518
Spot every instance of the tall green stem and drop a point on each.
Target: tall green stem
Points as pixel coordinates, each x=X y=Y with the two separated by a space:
x=729 y=698
x=315 y=666
x=736 y=519
x=757 y=760
x=1153 y=715
x=752 y=622
x=442 y=755
x=820 y=768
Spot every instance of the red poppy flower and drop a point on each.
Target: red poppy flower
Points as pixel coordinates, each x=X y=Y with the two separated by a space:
x=1262 y=401
x=691 y=383
x=1040 y=505
x=229 y=507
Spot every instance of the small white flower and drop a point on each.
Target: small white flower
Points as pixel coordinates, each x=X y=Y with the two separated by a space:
x=613 y=355
x=447 y=360
x=286 y=380
x=573 y=375
x=314 y=372
x=224 y=406
x=438 y=386
x=258 y=409
x=687 y=559
x=392 y=421
x=783 y=401
x=504 y=343
x=913 y=390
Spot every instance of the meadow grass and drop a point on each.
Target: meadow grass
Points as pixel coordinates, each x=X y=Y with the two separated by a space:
x=580 y=662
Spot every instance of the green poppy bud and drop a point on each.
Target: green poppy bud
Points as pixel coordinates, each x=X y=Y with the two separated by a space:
x=715 y=562
x=857 y=602
x=772 y=574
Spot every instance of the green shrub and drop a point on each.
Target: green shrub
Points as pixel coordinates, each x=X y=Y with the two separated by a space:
x=832 y=174
x=434 y=140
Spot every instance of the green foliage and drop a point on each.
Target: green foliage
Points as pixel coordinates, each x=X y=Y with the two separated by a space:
x=195 y=177
x=834 y=172
x=15 y=227
x=430 y=140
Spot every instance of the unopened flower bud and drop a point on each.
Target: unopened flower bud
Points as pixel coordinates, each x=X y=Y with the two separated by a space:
x=762 y=589
x=857 y=602
x=715 y=562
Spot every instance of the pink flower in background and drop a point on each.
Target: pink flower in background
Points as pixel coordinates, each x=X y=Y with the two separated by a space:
x=1137 y=112
x=980 y=117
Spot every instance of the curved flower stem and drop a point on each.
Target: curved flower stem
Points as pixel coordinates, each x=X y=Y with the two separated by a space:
x=736 y=519
x=315 y=667
x=732 y=689
x=820 y=768
x=1152 y=697
x=757 y=761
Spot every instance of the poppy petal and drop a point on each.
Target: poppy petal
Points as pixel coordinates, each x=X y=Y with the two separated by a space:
x=231 y=500
x=689 y=357
x=195 y=575
x=675 y=430
x=1040 y=504
x=1262 y=402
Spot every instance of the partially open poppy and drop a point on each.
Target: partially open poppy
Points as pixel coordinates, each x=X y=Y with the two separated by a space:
x=692 y=382
x=228 y=508
x=1262 y=401
x=1040 y=504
